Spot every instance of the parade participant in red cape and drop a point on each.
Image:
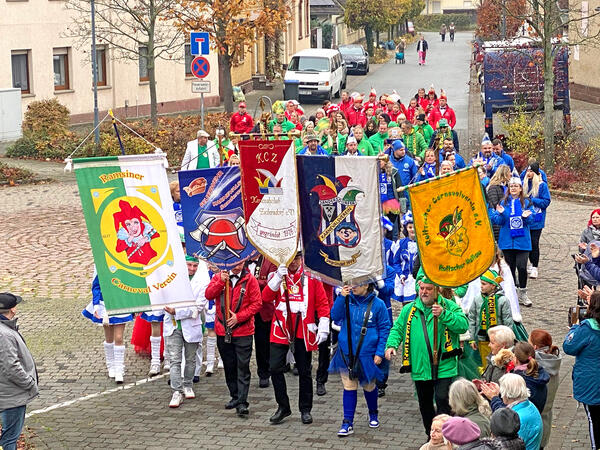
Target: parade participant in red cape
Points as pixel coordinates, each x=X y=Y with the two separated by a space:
x=235 y=329
x=442 y=111
x=421 y=99
x=412 y=110
x=241 y=122
x=347 y=102
x=356 y=114
x=294 y=329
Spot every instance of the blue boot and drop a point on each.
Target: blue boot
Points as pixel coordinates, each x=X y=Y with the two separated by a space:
x=371 y=398
x=349 y=401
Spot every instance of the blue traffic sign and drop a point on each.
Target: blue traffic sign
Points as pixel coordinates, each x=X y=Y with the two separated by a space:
x=200 y=67
x=199 y=44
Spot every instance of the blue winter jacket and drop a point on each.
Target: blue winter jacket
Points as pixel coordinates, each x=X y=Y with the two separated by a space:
x=538 y=387
x=531 y=429
x=386 y=292
x=96 y=292
x=508 y=160
x=540 y=203
x=583 y=342
x=505 y=240
x=320 y=151
x=459 y=161
x=407 y=168
x=378 y=326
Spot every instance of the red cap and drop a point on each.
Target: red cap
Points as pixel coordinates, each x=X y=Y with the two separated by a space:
x=242 y=105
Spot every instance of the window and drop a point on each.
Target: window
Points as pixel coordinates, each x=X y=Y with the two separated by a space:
x=61 y=69
x=188 y=58
x=467 y=4
x=20 y=71
x=437 y=7
x=101 y=66
x=240 y=53
x=143 y=64
x=300 y=30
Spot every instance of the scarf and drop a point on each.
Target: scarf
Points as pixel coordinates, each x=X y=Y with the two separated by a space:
x=448 y=350
x=595 y=232
x=489 y=313
x=385 y=187
x=516 y=219
x=429 y=170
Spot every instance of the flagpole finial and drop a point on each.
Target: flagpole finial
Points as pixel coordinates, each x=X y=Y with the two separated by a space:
x=110 y=113
x=69 y=165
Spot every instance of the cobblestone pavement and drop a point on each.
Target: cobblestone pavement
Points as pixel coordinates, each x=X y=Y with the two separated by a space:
x=47 y=259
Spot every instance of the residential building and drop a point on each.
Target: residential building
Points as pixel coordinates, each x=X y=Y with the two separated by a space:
x=37 y=57
x=584 y=82
x=331 y=12
x=450 y=6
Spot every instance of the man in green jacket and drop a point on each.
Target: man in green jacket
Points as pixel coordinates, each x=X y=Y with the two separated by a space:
x=423 y=127
x=414 y=142
x=364 y=146
x=378 y=139
x=417 y=348
x=286 y=125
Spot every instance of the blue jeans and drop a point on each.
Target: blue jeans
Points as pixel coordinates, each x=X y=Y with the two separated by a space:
x=12 y=424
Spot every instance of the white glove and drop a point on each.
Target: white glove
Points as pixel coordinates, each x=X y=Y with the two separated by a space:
x=323 y=332
x=379 y=282
x=336 y=327
x=282 y=271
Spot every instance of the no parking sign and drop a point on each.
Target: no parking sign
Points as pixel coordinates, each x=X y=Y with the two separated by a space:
x=200 y=67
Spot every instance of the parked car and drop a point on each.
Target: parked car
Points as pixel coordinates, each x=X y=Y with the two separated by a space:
x=410 y=27
x=356 y=58
x=314 y=72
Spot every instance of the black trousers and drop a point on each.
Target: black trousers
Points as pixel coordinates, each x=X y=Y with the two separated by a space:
x=593 y=415
x=517 y=261
x=534 y=254
x=236 y=361
x=324 y=357
x=262 y=345
x=429 y=390
x=303 y=364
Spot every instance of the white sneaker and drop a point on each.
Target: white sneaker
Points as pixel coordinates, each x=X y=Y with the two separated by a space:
x=119 y=377
x=111 y=372
x=220 y=364
x=176 y=400
x=166 y=366
x=188 y=393
x=533 y=273
x=210 y=368
x=154 y=370
x=529 y=267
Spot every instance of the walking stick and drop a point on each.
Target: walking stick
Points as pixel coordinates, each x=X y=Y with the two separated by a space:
x=435 y=346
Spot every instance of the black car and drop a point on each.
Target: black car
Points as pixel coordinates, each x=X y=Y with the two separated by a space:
x=355 y=57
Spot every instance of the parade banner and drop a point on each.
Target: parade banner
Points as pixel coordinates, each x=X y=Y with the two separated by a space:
x=453 y=230
x=135 y=242
x=270 y=196
x=213 y=218
x=340 y=212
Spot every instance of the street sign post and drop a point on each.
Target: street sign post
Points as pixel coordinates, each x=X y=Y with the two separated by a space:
x=199 y=44
x=201 y=87
x=200 y=69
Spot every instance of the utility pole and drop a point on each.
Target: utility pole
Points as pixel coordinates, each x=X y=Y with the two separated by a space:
x=95 y=74
x=503 y=19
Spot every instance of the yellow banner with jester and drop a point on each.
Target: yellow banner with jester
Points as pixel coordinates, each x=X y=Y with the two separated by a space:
x=453 y=230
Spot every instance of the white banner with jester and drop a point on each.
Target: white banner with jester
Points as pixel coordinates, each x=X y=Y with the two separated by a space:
x=135 y=242
x=340 y=214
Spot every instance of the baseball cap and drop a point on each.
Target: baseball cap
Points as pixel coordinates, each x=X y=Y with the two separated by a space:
x=8 y=300
x=242 y=105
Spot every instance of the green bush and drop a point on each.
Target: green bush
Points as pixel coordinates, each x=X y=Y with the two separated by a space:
x=433 y=22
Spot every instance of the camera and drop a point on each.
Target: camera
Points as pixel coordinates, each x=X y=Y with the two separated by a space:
x=577 y=314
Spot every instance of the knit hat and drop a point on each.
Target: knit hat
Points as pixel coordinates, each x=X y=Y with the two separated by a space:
x=515 y=180
x=486 y=139
x=397 y=145
x=460 y=430
x=442 y=123
x=534 y=167
x=189 y=258
x=491 y=276
x=505 y=423
x=421 y=117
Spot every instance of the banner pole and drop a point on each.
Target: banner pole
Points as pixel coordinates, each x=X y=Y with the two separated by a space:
x=419 y=183
x=114 y=122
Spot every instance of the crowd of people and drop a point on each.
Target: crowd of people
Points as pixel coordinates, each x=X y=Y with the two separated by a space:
x=487 y=384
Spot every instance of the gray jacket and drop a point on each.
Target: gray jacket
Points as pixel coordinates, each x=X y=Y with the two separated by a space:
x=18 y=375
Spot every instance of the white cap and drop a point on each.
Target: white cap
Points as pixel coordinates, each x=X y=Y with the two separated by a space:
x=202 y=133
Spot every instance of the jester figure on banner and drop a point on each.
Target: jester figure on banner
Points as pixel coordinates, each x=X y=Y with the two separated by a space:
x=213 y=221
x=301 y=316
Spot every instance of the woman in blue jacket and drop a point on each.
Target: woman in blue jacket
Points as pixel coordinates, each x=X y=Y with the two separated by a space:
x=363 y=366
x=583 y=342
x=514 y=214
x=537 y=190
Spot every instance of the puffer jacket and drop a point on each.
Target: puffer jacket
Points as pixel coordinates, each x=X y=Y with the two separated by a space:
x=583 y=342
x=18 y=374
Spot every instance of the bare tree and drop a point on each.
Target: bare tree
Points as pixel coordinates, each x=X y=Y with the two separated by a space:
x=547 y=23
x=137 y=30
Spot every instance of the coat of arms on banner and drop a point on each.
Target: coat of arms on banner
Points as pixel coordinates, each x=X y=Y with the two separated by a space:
x=454 y=233
x=213 y=216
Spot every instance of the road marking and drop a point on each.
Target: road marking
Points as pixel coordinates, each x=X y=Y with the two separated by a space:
x=97 y=394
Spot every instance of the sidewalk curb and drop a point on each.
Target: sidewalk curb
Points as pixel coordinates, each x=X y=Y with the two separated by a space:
x=576 y=196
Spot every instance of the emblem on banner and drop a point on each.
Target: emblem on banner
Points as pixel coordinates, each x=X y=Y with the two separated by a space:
x=337 y=201
x=270 y=185
x=454 y=233
x=197 y=186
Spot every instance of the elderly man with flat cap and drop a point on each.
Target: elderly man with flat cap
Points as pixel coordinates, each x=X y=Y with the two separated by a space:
x=201 y=153
x=19 y=381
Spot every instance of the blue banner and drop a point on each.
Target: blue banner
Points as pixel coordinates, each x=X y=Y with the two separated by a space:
x=213 y=217
x=340 y=211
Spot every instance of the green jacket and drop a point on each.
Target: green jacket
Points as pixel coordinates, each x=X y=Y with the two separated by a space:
x=451 y=318
x=286 y=125
x=425 y=130
x=365 y=147
x=503 y=315
x=415 y=144
x=377 y=141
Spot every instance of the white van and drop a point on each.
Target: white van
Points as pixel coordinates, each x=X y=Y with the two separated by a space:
x=314 y=72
